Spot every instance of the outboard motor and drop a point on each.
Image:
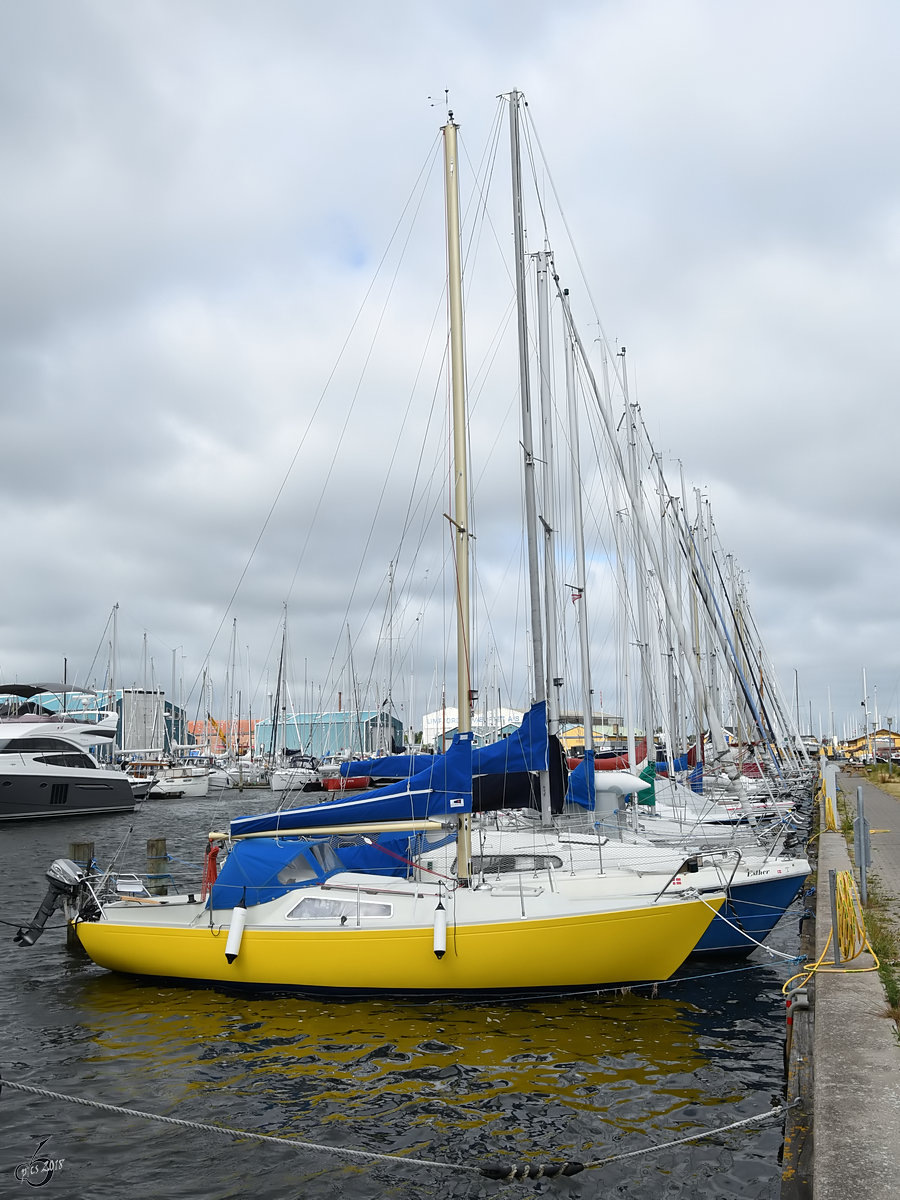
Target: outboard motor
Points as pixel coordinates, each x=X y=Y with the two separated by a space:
x=66 y=877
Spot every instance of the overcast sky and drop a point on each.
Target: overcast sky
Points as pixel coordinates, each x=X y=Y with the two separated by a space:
x=214 y=401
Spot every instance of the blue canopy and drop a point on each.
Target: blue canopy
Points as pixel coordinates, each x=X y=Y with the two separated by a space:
x=390 y=766
x=444 y=788
x=250 y=872
x=259 y=870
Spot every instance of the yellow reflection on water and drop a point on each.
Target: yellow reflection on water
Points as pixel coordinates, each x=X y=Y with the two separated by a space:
x=624 y=1058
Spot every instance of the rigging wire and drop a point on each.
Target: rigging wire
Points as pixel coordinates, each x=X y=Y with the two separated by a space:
x=421 y=507
x=317 y=408
x=532 y=132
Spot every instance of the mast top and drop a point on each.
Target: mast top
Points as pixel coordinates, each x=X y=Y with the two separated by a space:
x=450 y=120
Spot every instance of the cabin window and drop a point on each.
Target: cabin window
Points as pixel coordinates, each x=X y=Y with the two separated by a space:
x=30 y=745
x=502 y=864
x=298 y=870
x=73 y=759
x=301 y=870
x=325 y=857
x=319 y=908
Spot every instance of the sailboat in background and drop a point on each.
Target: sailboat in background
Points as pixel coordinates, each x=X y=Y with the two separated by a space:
x=300 y=902
x=291 y=770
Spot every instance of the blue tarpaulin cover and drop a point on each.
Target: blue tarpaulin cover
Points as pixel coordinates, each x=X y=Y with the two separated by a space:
x=250 y=872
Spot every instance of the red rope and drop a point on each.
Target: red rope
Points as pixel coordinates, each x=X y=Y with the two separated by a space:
x=409 y=862
x=210 y=870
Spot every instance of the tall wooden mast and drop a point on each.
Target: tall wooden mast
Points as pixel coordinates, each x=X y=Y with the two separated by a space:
x=460 y=518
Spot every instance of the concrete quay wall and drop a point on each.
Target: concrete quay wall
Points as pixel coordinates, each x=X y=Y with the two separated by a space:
x=842 y=1137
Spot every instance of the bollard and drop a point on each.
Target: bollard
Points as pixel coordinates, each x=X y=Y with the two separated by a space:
x=157 y=865
x=800 y=1000
x=862 y=846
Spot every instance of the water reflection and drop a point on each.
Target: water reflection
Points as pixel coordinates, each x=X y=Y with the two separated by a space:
x=370 y=1063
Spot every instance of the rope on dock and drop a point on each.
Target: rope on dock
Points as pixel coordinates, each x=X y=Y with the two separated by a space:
x=499 y=1171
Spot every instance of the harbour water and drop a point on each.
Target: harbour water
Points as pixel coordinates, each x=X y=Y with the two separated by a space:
x=453 y=1086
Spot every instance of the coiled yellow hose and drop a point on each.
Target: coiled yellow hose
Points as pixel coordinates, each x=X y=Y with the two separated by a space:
x=830 y=814
x=851 y=934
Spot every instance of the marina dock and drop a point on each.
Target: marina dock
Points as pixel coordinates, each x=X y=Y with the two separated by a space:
x=843 y=1133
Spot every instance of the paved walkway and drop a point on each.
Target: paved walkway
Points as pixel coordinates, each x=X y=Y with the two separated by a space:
x=883 y=814
x=855 y=1049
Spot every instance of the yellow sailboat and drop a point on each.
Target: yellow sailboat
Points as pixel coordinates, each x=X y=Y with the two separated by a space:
x=292 y=909
x=385 y=939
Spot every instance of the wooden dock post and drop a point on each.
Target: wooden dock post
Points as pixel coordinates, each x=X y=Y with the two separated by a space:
x=72 y=942
x=157 y=864
x=82 y=853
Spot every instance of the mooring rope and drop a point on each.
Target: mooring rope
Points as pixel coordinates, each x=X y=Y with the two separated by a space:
x=498 y=1171
x=780 y=1110
x=772 y=953
x=225 y=1131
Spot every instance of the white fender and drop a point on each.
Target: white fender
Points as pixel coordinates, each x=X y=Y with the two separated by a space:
x=440 y=930
x=236 y=932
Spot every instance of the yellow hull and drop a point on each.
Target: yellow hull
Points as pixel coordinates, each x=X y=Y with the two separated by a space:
x=637 y=944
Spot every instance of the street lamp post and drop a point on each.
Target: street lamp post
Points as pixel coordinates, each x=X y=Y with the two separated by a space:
x=890 y=722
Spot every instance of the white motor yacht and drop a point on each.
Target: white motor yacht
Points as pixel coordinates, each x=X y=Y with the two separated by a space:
x=47 y=767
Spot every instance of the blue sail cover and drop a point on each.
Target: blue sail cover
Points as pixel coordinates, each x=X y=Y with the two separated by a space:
x=444 y=788
x=524 y=750
x=582 y=783
x=390 y=766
